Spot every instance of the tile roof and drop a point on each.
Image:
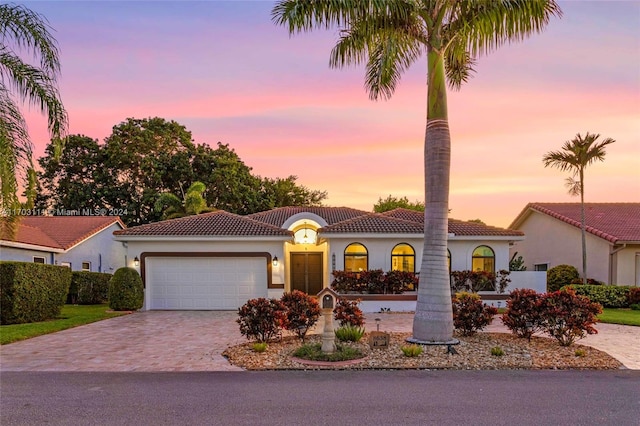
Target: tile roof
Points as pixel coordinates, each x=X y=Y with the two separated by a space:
x=278 y=216
x=614 y=222
x=60 y=232
x=374 y=223
x=218 y=223
x=457 y=227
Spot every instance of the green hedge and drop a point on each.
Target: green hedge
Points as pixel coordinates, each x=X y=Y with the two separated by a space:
x=31 y=292
x=126 y=292
x=609 y=296
x=89 y=288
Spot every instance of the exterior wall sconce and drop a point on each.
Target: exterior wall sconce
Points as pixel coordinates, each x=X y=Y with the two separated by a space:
x=275 y=261
x=136 y=261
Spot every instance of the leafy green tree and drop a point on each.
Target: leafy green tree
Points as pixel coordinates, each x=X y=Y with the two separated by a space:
x=285 y=192
x=389 y=36
x=574 y=157
x=392 y=202
x=75 y=179
x=25 y=32
x=193 y=203
x=144 y=158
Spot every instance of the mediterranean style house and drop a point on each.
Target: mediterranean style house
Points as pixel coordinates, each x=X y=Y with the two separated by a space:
x=219 y=260
x=554 y=237
x=83 y=243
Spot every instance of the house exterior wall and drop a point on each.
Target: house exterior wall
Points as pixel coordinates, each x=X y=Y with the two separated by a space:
x=101 y=250
x=553 y=242
x=25 y=255
x=626 y=266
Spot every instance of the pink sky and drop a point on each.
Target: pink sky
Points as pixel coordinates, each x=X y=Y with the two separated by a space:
x=222 y=69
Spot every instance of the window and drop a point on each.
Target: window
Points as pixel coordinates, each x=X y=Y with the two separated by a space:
x=540 y=266
x=403 y=258
x=38 y=259
x=484 y=259
x=356 y=258
x=67 y=264
x=86 y=266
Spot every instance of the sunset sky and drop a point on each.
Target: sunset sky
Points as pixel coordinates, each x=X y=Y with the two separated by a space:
x=227 y=73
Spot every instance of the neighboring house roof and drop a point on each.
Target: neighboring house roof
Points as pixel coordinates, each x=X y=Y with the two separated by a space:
x=58 y=232
x=278 y=216
x=615 y=222
x=218 y=223
x=456 y=227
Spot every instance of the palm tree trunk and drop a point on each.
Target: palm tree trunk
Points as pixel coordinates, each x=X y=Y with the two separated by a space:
x=433 y=319
x=583 y=229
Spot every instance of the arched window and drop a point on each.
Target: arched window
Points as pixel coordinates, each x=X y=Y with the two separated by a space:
x=356 y=258
x=484 y=259
x=403 y=258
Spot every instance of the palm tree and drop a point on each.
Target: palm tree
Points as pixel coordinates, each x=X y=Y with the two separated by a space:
x=24 y=31
x=389 y=36
x=575 y=156
x=194 y=203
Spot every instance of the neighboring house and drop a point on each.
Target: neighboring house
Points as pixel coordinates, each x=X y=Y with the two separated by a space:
x=219 y=260
x=84 y=243
x=554 y=237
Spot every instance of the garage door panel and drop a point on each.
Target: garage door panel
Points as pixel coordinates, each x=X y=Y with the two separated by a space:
x=203 y=283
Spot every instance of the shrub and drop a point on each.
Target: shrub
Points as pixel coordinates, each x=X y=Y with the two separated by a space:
x=347 y=312
x=633 y=297
x=580 y=353
x=397 y=282
x=314 y=352
x=88 y=288
x=470 y=314
x=349 y=333
x=590 y=281
x=411 y=350
x=523 y=316
x=126 y=292
x=261 y=319
x=475 y=281
x=373 y=281
x=302 y=312
x=347 y=282
x=635 y=307
x=568 y=316
x=497 y=351
x=31 y=292
x=560 y=276
x=259 y=347
x=609 y=296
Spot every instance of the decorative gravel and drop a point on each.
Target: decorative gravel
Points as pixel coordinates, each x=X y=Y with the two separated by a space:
x=473 y=353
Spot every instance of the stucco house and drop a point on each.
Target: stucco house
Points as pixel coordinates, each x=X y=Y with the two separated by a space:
x=219 y=260
x=554 y=237
x=84 y=243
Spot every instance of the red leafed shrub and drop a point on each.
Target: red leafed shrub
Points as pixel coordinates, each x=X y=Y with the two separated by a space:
x=346 y=281
x=568 y=316
x=470 y=314
x=633 y=296
x=523 y=316
x=397 y=282
x=302 y=312
x=261 y=319
x=348 y=313
x=373 y=280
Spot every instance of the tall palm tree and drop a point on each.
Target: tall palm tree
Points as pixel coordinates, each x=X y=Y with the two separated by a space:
x=23 y=31
x=575 y=156
x=389 y=36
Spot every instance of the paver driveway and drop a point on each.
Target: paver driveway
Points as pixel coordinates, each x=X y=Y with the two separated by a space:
x=194 y=341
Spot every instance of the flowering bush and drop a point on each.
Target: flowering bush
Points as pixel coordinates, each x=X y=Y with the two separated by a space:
x=302 y=312
x=347 y=312
x=523 y=316
x=568 y=316
x=470 y=314
x=261 y=319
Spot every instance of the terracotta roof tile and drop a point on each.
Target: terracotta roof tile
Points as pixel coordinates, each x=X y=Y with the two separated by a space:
x=218 y=223
x=456 y=227
x=374 y=223
x=61 y=232
x=278 y=216
x=614 y=222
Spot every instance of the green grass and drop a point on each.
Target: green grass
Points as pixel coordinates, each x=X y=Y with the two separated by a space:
x=70 y=316
x=620 y=316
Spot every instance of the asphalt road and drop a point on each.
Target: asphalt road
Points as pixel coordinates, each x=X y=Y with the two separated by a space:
x=406 y=397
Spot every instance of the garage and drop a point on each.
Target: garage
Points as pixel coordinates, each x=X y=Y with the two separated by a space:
x=204 y=283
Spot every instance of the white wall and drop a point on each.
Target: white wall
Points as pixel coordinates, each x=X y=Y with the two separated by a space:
x=24 y=255
x=535 y=280
x=101 y=250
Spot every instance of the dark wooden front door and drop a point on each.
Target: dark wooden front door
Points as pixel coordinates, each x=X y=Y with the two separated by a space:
x=306 y=272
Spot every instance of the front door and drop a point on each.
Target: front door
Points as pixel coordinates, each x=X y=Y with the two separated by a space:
x=306 y=272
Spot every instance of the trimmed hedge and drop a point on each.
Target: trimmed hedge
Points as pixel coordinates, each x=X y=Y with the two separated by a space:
x=560 y=276
x=374 y=281
x=126 y=292
x=31 y=292
x=88 y=288
x=609 y=296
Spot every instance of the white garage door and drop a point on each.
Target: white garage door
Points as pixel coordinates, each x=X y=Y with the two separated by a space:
x=204 y=283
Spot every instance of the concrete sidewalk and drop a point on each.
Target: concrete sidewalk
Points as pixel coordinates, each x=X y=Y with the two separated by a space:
x=195 y=340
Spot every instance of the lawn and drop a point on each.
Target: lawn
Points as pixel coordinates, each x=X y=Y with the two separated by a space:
x=620 y=316
x=70 y=316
